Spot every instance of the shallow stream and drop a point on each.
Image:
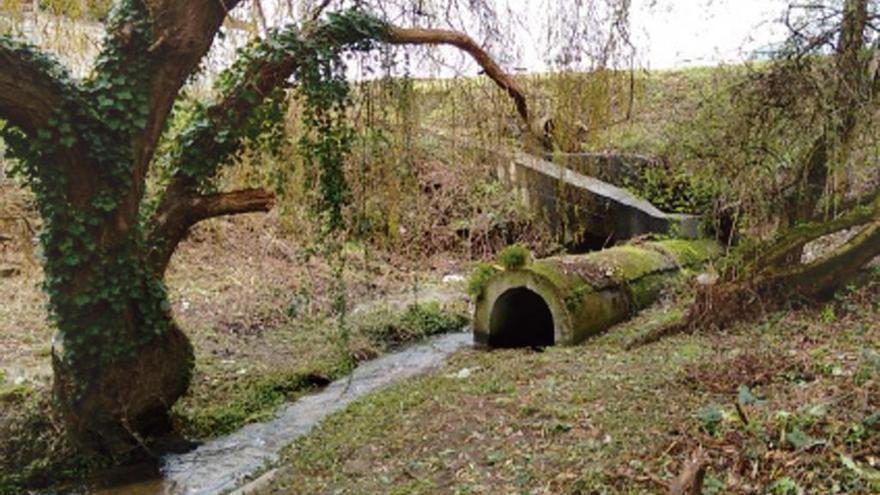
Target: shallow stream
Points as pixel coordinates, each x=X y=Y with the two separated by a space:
x=222 y=465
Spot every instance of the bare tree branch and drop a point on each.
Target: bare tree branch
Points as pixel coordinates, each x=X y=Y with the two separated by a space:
x=404 y=36
x=315 y=14
x=182 y=210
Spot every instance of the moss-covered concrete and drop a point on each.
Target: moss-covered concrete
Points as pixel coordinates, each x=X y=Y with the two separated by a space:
x=585 y=294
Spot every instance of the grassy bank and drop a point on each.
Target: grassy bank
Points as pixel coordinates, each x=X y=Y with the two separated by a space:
x=229 y=393
x=785 y=405
x=258 y=309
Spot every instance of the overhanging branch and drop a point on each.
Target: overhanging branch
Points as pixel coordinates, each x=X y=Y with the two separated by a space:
x=258 y=79
x=265 y=74
x=413 y=36
x=232 y=203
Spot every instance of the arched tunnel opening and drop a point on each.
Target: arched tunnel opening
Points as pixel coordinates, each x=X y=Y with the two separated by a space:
x=520 y=318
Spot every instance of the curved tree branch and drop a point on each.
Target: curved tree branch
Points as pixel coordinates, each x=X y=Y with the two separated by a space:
x=29 y=94
x=412 y=36
x=795 y=238
x=33 y=89
x=264 y=75
x=828 y=273
x=182 y=35
x=258 y=80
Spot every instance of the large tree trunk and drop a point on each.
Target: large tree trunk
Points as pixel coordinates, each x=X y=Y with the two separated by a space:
x=119 y=360
x=772 y=283
x=118 y=407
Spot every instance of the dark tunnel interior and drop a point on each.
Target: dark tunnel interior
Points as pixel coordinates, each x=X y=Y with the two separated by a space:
x=521 y=318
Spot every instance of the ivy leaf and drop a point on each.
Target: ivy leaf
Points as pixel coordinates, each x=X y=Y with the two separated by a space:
x=746 y=397
x=105 y=101
x=863 y=472
x=802 y=441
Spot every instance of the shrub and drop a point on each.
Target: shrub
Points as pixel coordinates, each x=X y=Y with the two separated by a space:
x=481 y=276
x=416 y=321
x=514 y=256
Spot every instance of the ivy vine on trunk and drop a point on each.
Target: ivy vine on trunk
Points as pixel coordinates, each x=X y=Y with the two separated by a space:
x=85 y=147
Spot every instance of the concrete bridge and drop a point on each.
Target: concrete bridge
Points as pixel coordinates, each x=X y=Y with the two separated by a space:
x=584 y=211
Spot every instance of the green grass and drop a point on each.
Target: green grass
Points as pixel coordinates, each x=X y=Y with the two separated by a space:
x=228 y=394
x=598 y=419
x=228 y=391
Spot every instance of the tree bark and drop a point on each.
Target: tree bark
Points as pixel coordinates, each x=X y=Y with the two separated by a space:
x=794 y=239
x=119 y=409
x=28 y=94
x=182 y=209
x=771 y=287
x=854 y=87
x=820 y=278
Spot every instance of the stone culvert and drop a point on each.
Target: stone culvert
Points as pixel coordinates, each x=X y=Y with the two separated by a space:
x=565 y=299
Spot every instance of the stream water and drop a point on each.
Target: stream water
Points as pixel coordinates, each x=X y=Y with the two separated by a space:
x=223 y=464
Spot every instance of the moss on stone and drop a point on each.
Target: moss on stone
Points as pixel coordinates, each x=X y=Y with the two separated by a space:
x=689 y=253
x=631 y=262
x=479 y=278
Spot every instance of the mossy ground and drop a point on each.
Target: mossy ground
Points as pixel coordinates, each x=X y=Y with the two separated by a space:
x=598 y=419
x=229 y=393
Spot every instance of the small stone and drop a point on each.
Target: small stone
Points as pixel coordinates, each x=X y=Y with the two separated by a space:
x=707 y=278
x=462 y=374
